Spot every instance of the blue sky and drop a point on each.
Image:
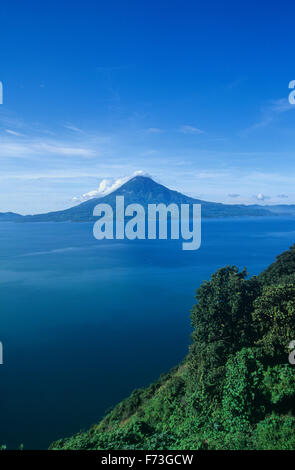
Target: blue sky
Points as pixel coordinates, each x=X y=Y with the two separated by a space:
x=193 y=93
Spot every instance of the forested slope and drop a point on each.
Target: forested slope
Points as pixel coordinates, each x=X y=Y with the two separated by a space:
x=236 y=387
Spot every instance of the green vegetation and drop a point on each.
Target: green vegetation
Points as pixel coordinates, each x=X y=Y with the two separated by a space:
x=234 y=390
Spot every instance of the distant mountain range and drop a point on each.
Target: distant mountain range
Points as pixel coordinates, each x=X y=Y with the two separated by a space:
x=144 y=190
x=9 y=216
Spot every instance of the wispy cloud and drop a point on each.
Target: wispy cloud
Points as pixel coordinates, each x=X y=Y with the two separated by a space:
x=269 y=113
x=71 y=127
x=186 y=129
x=213 y=174
x=12 y=149
x=11 y=132
x=63 y=149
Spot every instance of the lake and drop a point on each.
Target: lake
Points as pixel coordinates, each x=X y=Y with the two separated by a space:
x=84 y=322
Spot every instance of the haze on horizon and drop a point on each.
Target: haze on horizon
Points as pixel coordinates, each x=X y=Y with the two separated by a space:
x=177 y=91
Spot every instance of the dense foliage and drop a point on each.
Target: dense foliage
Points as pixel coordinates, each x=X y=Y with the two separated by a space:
x=235 y=389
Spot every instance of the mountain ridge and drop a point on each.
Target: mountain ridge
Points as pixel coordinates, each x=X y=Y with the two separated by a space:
x=144 y=190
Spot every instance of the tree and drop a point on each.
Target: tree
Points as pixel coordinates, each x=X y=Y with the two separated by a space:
x=222 y=324
x=274 y=317
x=283 y=269
x=243 y=400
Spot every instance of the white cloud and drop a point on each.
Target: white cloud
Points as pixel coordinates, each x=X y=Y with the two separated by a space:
x=11 y=132
x=261 y=197
x=26 y=148
x=71 y=127
x=60 y=149
x=190 y=130
x=107 y=186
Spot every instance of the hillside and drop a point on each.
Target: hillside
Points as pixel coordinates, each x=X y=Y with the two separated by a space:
x=9 y=217
x=236 y=387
